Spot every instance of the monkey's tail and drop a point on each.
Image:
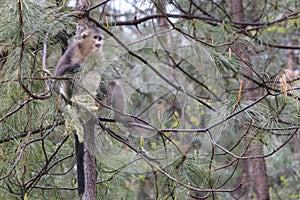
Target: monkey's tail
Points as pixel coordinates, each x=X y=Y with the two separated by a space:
x=79 y=153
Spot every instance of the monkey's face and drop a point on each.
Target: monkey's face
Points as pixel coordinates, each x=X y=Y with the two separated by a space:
x=98 y=40
x=93 y=38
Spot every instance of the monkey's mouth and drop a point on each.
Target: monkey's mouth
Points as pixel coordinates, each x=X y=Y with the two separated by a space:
x=98 y=45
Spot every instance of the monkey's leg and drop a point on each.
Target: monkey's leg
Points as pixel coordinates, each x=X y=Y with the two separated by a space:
x=79 y=153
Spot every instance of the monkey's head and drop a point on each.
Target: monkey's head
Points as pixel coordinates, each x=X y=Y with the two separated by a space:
x=91 y=39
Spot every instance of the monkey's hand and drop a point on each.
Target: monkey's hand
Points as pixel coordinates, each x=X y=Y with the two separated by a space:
x=103 y=91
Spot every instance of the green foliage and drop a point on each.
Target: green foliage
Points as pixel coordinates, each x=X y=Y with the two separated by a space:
x=184 y=80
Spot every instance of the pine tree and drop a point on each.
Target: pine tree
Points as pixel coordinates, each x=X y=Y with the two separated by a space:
x=212 y=90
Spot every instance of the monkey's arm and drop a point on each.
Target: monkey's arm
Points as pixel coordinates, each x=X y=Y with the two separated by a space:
x=66 y=86
x=67 y=69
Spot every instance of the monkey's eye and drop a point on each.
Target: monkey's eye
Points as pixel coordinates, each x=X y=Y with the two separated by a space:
x=84 y=35
x=97 y=37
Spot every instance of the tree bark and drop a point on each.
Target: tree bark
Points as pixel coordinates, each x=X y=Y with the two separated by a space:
x=291 y=65
x=90 y=169
x=256 y=168
x=259 y=173
x=237 y=10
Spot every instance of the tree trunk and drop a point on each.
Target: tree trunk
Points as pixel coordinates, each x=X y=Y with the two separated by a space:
x=291 y=65
x=256 y=168
x=90 y=170
x=259 y=173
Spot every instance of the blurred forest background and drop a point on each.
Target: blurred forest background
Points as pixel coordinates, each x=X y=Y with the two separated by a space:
x=216 y=82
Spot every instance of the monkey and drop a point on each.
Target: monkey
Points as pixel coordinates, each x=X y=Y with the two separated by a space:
x=119 y=104
x=118 y=101
x=69 y=64
x=113 y=94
